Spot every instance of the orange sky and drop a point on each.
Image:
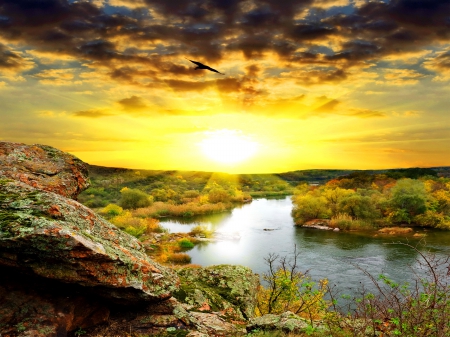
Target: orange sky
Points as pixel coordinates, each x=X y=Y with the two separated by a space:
x=310 y=83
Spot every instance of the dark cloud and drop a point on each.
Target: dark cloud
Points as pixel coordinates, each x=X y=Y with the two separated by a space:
x=10 y=60
x=328 y=106
x=133 y=104
x=138 y=45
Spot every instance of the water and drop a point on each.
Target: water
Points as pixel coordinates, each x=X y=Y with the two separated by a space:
x=249 y=233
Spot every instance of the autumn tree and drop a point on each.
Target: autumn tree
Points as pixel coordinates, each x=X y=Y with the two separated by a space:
x=134 y=198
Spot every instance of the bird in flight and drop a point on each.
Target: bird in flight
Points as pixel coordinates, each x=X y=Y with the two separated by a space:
x=203 y=66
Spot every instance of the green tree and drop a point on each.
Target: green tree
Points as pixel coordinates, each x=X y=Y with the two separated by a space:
x=134 y=198
x=408 y=199
x=358 y=206
x=308 y=207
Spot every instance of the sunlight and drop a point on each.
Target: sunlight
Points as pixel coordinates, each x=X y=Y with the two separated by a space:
x=228 y=146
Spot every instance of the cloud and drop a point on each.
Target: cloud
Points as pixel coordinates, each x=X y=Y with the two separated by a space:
x=133 y=104
x=93 y=113
x=13 y=62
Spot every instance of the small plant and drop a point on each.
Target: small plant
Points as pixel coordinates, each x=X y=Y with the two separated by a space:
x=79 y=332
x=185 y=244
x=20 y=327
x=179 y=258
x=201 y=231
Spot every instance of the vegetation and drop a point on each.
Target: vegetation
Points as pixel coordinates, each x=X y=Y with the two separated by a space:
x=288 y=289
x=420 y=309
x=364 y=201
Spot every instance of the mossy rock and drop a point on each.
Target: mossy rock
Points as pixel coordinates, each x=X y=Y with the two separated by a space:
x=58 y=238
x=229 y=290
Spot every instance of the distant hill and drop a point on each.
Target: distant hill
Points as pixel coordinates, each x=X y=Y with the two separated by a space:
x=106 y=182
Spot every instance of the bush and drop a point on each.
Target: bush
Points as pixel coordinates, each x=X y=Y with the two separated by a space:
x=179 y=258
x=201 y=231
x=185 y=244
x=133 y=198
x=112 y=210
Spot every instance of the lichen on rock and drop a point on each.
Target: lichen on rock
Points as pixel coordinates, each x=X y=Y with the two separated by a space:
x=58 y=238
x=44 y=167
x=225 y=289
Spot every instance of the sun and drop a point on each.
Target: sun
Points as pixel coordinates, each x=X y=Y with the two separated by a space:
x=228 y=146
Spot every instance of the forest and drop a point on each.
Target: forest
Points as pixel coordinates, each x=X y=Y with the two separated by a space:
x=417 y=197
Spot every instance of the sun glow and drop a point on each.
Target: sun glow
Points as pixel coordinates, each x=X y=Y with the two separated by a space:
x=228 y=146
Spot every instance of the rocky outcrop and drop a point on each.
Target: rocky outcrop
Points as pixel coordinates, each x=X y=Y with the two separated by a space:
x=229 y=291
x=38 y=307
x=43 y=167
x=62 y=265
x=287 y=321
x=58 y=238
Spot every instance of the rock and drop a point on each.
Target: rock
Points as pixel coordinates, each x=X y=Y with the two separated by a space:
x=395 y=230
x=33 y=306
x=169 y=318
x=46 y=234
x=336 y=230
x=44 y=167
x=225 y=289
x=322 y=224
x=287 y=321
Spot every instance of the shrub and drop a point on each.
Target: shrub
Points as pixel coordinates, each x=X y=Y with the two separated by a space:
x=201 y=231
x=288 y=289
x=185 y=244
x=179 y=258
x=134 y=198
x=112 y=210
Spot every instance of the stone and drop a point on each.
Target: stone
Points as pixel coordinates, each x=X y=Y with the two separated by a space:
x=287 y=321
x=33 y=306
x=46 y=234
x=44 y=167
x=227 y=290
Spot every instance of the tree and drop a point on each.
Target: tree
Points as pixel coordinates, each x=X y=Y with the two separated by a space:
x=288 y=289
x=408 y=199
x=218 y=194
x=358 y=206
x=134 y=198
x=308 y=207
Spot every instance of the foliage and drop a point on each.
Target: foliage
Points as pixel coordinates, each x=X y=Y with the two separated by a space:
x=288 y=289
x=309 y=206
x=112 y=210
x=201 y=231
x=136 y=226
x=419 y=309
x=134 y=198
x=179 y=258
x=185 y=244
x=384 y=202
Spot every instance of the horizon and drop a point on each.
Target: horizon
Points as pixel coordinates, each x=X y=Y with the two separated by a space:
x=269 y=173
x=311 y=83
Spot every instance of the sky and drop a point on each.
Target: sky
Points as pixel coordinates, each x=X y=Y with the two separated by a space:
x=307 y=84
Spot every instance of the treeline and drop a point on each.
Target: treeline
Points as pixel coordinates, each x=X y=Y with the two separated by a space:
x=364 y=201
x=178 y=187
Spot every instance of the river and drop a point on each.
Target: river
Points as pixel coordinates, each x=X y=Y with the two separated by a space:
x=249 y=233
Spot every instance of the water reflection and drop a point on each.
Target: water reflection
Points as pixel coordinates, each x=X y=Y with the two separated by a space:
x=250 y=233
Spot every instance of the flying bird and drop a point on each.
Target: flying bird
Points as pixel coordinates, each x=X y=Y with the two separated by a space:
x=203 y=66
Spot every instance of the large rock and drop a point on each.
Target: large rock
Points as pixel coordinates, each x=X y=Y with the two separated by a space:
x=44 y=167
x=227 y=290
x=168 y=318
x=57 y=238
x=287 y=321
x=33 y=306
